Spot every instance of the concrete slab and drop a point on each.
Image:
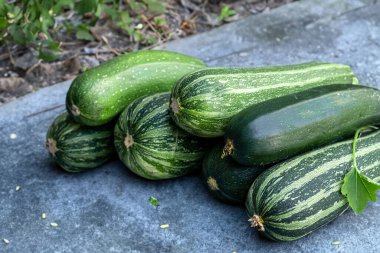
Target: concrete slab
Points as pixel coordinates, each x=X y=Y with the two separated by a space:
x=108 y=209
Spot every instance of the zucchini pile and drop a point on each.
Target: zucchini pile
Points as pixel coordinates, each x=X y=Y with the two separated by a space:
x=278 y=139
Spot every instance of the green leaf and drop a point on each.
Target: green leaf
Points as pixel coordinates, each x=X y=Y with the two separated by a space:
x=125 y=21
x=54 y=45
x=153 y=201
x=58 y=7
x=3 y=22
x=112 y=13
x=47 y=55
x=150 y=41
x=226 y=12
x=85 y=6
x=358 y=188
x=83 y=33
x=136 y=6
x=155 y=6
x=159 y=21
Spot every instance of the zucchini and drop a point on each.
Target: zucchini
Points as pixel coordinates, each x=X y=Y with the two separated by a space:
x=75 y=147
x=225 y=179
x=98 y=95
x=283 y=127
x=151 y=145
x=296 y=197
x=203 y=102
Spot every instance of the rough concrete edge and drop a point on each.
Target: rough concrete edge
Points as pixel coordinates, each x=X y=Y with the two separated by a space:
x=26 y=105
x=296 y=8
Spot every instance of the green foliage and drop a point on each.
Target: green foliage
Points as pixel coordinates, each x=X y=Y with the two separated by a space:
x=225 y=13
x=358 y=188
x=33 y=22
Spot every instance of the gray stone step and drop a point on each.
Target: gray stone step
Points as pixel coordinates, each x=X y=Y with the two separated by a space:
x=107 y=210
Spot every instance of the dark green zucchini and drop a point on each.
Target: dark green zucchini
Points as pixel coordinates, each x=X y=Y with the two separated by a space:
x=280 y=128
x=151 y=145
x=226 y=179
x=302 y=194
x=75 y=147
x=98 y=95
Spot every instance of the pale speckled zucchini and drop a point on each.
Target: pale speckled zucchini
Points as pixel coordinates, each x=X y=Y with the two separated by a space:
x=99 y=94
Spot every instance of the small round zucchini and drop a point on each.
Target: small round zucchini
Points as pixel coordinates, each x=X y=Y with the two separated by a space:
x=75 y=147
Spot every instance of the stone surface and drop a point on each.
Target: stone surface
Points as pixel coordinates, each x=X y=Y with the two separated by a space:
x=108 y=209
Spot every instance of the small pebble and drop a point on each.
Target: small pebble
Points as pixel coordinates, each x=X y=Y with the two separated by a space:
x=164 y=226
x=13 y=136
x=54 y=225
x=6 y=241
x=139 y=26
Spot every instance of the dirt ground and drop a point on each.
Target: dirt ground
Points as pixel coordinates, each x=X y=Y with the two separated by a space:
x=21 y=71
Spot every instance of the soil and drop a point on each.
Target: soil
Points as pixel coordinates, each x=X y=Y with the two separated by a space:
x=21 y=72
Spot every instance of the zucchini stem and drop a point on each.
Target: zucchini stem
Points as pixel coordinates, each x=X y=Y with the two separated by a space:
x=228 y=148
x=75 y=110
x=174 y=105
x=51 y=145
x=128 y=141
x=357 y=134
x=212 y=184
x=257 y=222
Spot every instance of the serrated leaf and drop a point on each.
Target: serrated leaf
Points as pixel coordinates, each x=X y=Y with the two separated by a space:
x=359 y=190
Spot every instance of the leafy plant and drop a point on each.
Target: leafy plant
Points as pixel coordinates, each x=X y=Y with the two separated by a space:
x=34 y=22
x=225 y=13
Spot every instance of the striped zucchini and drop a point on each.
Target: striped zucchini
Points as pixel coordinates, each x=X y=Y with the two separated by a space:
x=151 y=145
x=300 y=195
x=225 y=179
x=203 y=102
x=75 y=147
x=98 y=95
